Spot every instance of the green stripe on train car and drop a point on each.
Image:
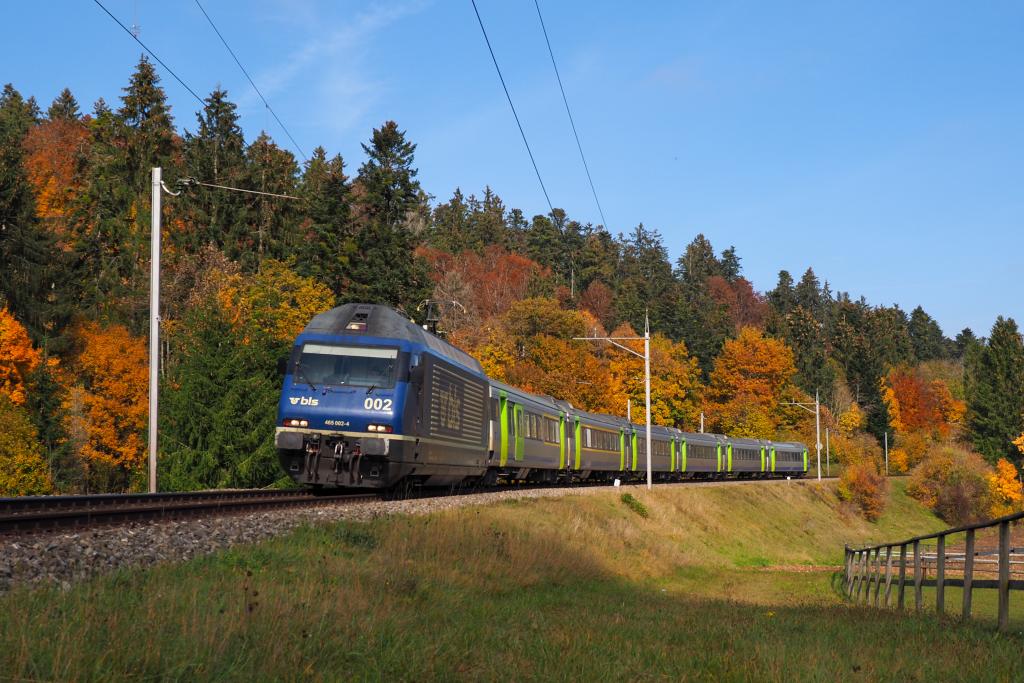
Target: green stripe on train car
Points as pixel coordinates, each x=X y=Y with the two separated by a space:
x=672 y=456
x=517 y=416
x=561 y=441
x=805 y=460
x=729 y=469
x=762 y=458
x=684 y=456
x=773 y=458
x=718 y=458
x=634 y=451
x=578 y=442
x=503 y=413
x=622 y=449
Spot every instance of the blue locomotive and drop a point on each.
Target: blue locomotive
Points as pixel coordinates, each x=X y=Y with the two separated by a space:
x=371 y=400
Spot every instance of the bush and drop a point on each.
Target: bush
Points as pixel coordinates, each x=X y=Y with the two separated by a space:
x=862 y=485
x=635 y=505
x=954 y=482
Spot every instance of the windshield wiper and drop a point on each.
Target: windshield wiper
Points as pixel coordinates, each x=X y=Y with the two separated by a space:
x=372 y=387
x=301 y=375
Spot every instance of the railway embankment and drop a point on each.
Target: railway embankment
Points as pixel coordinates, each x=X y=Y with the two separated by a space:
x=715 y=582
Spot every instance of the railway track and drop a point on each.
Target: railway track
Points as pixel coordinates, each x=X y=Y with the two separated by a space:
x=54 y=513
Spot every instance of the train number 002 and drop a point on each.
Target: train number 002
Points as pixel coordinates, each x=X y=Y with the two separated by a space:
x=377 y=403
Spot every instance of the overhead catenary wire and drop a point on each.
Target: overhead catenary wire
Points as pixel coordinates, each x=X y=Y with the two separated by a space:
x=579 y=145
x=151 y=53
x=251 y=82
x=512 y=106
x=188 y=182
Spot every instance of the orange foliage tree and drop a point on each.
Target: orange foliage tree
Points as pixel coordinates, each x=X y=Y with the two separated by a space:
x=106 y=401
x=917 y=405
x=864 y=486
x=750 y=378
x=54 y=151
x=17 y=358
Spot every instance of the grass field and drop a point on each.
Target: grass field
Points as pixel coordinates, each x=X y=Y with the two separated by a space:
x=716 y=583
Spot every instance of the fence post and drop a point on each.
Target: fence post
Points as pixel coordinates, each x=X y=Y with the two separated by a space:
x=888 y=576
x=859 y=578
x=965 y=613
x=848 y=577
x=1004 y=575
x=917 y=576
x=901 y=593
x=940 y=575
x=878 y=574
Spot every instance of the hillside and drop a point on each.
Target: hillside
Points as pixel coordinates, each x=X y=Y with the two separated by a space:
x=579 y=587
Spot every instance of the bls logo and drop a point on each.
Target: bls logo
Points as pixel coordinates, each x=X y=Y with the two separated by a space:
x=305 y=401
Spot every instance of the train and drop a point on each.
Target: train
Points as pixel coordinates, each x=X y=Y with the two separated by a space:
x=372 y=400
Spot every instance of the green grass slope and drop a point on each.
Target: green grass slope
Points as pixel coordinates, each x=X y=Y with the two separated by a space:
x=714 y=584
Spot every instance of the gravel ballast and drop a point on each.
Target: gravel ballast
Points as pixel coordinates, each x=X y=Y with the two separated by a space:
x=66 y=557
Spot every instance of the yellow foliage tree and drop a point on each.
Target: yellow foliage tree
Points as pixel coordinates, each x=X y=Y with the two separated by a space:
x=851 y=420
x=1006 y=489
x=275 y=301
x=23 y=469
x=17 y=358
x=105 y=403
x=675 y=385
x=751 y=376
x=1019 y=443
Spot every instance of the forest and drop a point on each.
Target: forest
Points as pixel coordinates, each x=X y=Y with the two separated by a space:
x=242 y=274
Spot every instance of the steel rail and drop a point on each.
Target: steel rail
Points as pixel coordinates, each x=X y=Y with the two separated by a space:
x=54 y=513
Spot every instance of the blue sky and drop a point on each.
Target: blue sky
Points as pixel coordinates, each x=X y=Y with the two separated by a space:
x=881 y=143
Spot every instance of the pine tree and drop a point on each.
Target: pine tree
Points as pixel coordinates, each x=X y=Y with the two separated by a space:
x=27 y=251
x=271 y=226
x=328 y=243
x=807 y=294
x=215 y=153
x=390 y=191
x=150 y=138
x=64 y=106
x=926 y=336
x=730 y=264
x=994 y=385
x=963 y=341
x=391 y=203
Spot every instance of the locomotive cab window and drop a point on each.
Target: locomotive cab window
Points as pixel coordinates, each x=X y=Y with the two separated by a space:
x=360 y=366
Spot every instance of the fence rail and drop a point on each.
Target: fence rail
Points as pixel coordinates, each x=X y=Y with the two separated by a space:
x=868 y=568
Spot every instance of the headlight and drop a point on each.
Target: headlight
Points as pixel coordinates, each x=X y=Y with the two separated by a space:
x=293 y=422
x=380 y=429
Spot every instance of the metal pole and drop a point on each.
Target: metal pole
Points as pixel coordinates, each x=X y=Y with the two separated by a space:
x=702 y=422
x=817 y=429
x=629 y=410
x=154 y=325
x=828 y=457
x=647 y=390
x=887 y=454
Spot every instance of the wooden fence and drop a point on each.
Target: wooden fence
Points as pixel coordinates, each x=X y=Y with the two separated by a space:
x=870 y=571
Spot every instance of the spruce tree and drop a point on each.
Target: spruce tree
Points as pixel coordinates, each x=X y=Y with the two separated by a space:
x=64 y=107
x=149 y=139
x=27 y=250
x=215 y=153
x=385 y=268
x=328 y=242
x=994 y=384
x=926 y=336
x=271 y=225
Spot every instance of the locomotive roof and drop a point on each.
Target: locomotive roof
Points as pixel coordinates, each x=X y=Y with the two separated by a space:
x=375 y=320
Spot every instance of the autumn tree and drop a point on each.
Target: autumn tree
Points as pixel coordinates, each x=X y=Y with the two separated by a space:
x=23 y=469
x=1005 y=489
x=18 y=359
x=675 y=381
x=750 y=378
x=105 y=404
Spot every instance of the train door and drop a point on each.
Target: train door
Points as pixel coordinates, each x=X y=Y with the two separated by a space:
x=503 y=425
x=577 y=437
x=517 y=427
x=562 y=445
